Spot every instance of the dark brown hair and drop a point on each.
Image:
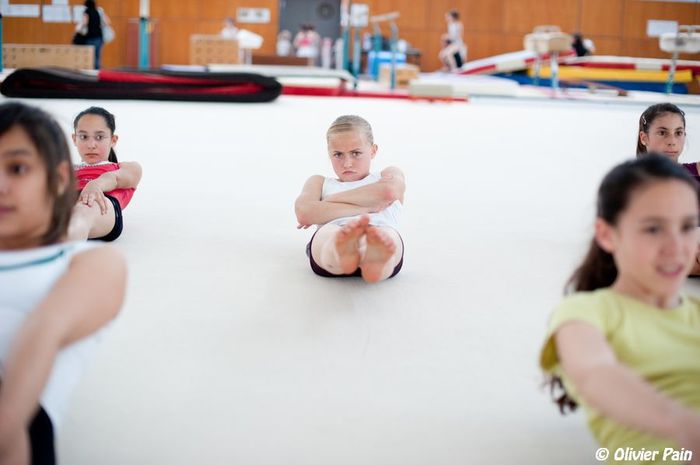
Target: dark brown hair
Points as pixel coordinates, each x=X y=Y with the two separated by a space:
x=598 y=268
x=109 y=121
x=648 y=117
x=50 y=142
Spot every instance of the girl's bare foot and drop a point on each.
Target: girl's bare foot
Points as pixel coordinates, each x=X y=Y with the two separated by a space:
x=347 y=244
x=380 y=248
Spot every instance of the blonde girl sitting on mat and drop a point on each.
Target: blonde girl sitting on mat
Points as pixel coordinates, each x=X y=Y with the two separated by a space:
x=54 y=296
x=357 y=212
x=106 y=186
x=626 y=343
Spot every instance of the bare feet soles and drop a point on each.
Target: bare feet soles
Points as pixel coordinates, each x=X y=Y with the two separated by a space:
x=347 y=244
x=380 y=249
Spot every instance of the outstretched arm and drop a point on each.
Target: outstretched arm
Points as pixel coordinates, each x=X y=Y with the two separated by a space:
x=379 y=195
x=127 y=176
x=310 y=209
x=71 y=311
x=618 y=392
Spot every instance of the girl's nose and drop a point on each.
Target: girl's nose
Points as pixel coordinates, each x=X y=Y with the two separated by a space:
x=674 y=242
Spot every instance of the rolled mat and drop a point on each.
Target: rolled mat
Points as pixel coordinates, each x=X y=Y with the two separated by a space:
x=140 y=85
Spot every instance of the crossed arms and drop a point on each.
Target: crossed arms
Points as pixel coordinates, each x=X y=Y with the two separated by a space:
x=372 y=198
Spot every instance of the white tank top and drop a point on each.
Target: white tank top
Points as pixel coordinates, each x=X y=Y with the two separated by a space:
x=26 y=277
x=387 y=217
x=454 y=33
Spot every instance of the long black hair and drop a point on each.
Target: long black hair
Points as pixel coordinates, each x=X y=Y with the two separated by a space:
x=648 y=117
x=598 y=269
x=50 y=142
x=109 y=121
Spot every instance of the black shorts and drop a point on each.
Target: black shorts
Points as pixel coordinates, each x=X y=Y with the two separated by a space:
x=357 y=273
x=118 y=223
x=458 y=60
x=41 y=439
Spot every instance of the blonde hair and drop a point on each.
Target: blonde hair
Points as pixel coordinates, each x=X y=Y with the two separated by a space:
x=347 y=123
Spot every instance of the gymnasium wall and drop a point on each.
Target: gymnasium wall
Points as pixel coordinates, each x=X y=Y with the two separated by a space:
x=618 y=27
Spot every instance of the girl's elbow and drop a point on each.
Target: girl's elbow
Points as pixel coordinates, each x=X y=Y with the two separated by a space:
x=392 y=192
x=302 y=213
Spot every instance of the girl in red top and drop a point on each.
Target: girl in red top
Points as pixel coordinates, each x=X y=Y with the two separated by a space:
x=105 y=185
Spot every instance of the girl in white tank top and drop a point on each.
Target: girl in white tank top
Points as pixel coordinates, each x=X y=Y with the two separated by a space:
x=357 y=212
x=50 y=320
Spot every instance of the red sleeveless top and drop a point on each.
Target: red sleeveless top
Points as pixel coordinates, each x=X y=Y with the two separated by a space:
x=86 y=173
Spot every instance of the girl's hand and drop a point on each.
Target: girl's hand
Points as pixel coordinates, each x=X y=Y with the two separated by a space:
x=304 y=226
x=92 y=194
x=688 y=435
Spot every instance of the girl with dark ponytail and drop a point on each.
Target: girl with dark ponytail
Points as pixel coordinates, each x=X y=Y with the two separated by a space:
x=106 y=185
x=662 y=130
x=625 y=343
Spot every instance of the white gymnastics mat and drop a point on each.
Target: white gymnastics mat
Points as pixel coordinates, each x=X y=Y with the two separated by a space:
x=229 y=350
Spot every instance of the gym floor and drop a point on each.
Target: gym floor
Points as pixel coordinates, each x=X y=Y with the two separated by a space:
x=229 y=350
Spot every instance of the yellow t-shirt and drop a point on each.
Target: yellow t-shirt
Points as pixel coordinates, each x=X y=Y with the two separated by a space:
x=661 y=345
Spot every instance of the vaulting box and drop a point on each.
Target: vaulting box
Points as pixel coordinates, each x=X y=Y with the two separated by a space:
x=36 y=55
x=206 y=49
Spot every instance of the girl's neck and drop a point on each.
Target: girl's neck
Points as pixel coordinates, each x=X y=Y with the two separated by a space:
x=20 y=243
x=639 y=292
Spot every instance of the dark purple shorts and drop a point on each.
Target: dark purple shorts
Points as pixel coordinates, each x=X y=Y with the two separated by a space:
x=358 y=272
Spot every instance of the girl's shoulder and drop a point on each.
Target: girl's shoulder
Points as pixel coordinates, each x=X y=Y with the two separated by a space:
x=602 y=308
x=100 y=253
x=692 y=167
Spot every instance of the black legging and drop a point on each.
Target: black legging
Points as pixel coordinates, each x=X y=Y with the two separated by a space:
x=41 y=439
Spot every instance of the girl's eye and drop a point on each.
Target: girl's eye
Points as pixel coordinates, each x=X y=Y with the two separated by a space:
x=356 y=154
x=652 y=230
x=99 y=138
x=82 y=137
x=680 y=133
x=18 y=168
x=662 y=133
x=688 y=227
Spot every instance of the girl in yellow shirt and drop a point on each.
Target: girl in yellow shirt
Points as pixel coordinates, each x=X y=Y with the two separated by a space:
x=626 y=344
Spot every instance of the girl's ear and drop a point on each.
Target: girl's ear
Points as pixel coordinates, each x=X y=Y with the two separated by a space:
x=64 y=171
x=115 y=138
x=73 y=136
x=373 y=150
x=604 y=233
x=644 y=138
